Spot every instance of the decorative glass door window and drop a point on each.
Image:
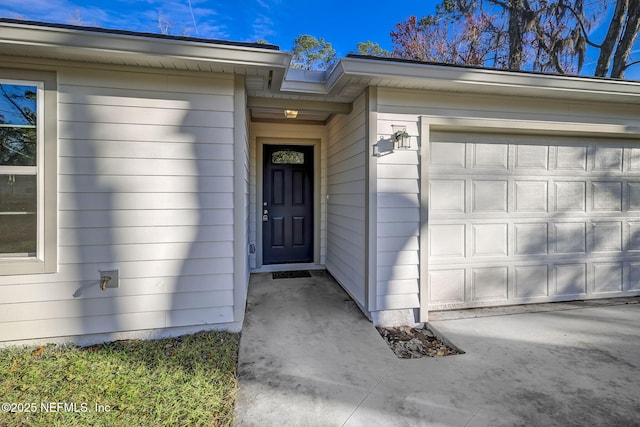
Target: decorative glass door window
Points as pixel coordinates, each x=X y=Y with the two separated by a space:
x=287 y=157
x=19 y=148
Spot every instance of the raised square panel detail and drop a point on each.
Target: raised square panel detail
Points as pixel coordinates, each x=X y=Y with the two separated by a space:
x=607 y=277
x=489 y=283
x=634 y=159
x=532 y=157
x=489 y=239
x=571 y=158
x=531 y=196
x=446 y=196
x=490 y=156
x=531 y=239
x=634 y=236
x=607 y=236
x=633 y=277
x=570 y=196
x=570 y=237
x=489 y=196
x=446 y=240
x=607 y=196
x=447 y=154
x=446 y=286
x=608 y=159
x=570 y=279
x=634 y=196
x=531 y=281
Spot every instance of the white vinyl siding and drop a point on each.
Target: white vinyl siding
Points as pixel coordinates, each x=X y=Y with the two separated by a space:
x=398 y=218
x=146 y=165
x=346 y=157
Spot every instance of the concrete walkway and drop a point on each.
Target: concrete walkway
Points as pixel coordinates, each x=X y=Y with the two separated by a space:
x=308 y=357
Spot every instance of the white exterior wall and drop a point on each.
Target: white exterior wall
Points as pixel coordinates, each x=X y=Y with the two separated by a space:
x=146 y=164
x=398 y=217
x=346 y=207
x=398 y=173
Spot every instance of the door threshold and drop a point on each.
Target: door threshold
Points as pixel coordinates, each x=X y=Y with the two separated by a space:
x=270 y=268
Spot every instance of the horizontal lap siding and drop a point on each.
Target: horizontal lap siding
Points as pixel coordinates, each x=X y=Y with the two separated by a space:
x=145 y=186
x=398 y=215
x=346 y=174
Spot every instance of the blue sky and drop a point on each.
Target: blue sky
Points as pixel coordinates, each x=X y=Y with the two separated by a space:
x=343 y=23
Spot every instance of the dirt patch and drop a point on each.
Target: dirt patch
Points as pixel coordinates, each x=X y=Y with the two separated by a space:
x=413 y=343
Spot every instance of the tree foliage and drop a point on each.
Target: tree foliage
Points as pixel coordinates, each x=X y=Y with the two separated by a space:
x=370 y=48
x=18 y=119
x=539 y=35
x=310 y=53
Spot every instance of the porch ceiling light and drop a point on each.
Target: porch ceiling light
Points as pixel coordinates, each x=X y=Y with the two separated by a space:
x=291 y=114
x=400 y=137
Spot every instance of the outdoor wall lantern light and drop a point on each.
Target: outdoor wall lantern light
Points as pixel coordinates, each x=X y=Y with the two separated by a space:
x=291 y=114
x=400 y=137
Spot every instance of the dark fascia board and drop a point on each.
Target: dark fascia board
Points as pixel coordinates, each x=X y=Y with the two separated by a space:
x=39 y=24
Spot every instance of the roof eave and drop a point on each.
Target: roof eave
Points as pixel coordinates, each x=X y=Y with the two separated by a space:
x=61 y=42
x=471 y=80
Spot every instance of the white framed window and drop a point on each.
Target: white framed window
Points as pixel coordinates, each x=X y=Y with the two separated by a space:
x=28 y=172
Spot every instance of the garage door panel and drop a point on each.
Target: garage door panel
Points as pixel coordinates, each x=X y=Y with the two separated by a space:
x=531 y=239
x=531 y=281
x=607 y=277
x=490 y=156
x=489 y=240
x=447 y=196
x=632 y=274
x=447 y=286
x=570 y=238
x=607 y=196
x=514 y=223
x=634 y=236
x=447 y=240
x=531 y=157
x=531 y=196
x=634 y=160
x=570 y=196
x=489 y=196
x=570 y=279
x=452 y=155
x=608 y=159
x=489 y=283
x=607 y=237
x=571 y=158
x=634 y=196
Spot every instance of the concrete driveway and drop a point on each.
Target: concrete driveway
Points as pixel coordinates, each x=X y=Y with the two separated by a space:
x=308 y=357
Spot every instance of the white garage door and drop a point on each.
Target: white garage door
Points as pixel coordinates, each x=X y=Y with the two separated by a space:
x=524 y=219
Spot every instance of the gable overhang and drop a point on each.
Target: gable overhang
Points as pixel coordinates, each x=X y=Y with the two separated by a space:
x=115 y=47
x=424 y=76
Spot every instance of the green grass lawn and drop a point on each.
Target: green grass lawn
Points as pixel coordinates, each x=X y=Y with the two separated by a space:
x=185 y=381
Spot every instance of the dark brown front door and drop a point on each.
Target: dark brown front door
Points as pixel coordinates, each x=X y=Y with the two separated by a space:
x=287 y=220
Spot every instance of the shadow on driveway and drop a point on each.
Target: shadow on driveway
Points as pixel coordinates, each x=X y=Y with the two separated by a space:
x=309 y=357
